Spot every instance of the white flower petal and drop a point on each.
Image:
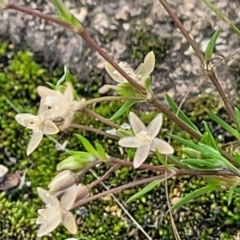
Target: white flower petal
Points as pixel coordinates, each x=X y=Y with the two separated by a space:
x=69 y=222
x=47 y=197
x=34 y=142
x=44 y=92
x=42 y=107
x=25 y=119
x=115 y=75
x=69 y=196
x=126 y=67
x=162 y=146
x=49 y=127
x=136 y=124
x=130 y=142
x=155 y=125
x=69 y=92
x=52 y=216
x=141 y=155
x=145 y=69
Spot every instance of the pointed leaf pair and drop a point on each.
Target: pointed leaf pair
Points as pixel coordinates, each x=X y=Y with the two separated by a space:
x=65 y=15
x=99 y=152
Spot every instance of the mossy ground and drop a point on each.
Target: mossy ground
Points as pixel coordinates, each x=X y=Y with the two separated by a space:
x=206 y=218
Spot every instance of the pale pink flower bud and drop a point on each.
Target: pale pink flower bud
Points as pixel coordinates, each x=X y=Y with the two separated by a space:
x=62 y=181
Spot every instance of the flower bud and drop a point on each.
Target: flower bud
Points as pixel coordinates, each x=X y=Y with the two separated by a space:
x=76 y=162
x=62 y=181
x=82 y=192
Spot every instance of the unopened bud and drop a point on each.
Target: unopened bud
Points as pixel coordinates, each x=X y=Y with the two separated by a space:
x=62 y=181
x=82 y=192
x=76 y=162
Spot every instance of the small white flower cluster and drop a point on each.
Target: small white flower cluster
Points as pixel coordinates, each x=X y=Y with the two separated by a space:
x=53 y=105
x=58 y=211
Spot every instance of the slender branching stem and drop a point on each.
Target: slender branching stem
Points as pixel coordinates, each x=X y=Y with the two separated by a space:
x=199 y=54
x=111 y=98
x=100 y=118
x=94 y=45
x=92 y=129
x=119 y=189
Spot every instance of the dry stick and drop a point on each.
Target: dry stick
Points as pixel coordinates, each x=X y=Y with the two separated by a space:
x=199 y=54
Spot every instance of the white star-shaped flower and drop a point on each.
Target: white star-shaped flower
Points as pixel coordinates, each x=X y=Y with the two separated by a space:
x=56 y=211
x=140 y=74
x=39 y=126
x=144 y=139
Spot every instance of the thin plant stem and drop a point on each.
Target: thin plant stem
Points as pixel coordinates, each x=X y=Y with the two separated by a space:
x=100 y=118
x=212 y=76
x=111 y=98
x=223 y=17
x=105 y=176
x=183 y=31
x=119 y=189
x=92 y=43
x=91 y=129
x=199 y=54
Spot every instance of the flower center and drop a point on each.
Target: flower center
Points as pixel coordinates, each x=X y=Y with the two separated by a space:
x=144 y=138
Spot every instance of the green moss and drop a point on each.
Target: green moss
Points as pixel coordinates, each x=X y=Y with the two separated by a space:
x=141 y=42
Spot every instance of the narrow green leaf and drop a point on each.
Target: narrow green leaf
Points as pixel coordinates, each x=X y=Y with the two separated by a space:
x=211 y=45
x=191 y=153
x=162 y=160
x=101 y=152
x=208 y=138
x=65 y=15
x=225 y=125
x=87 y=145
x=197 y=193
x=187 y=143
x=237 y=114
x=176 y=161
x=123 y=109
x=236 y=155
x=203 y=164
x=230 y=195
x=145 y=190
x=181 y=114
